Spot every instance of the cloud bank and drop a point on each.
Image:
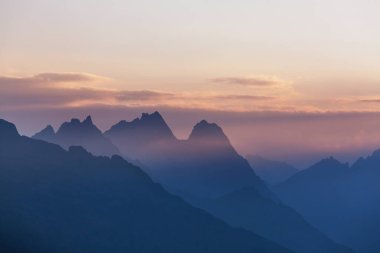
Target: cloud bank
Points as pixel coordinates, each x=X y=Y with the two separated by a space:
x=259 y=81
x=77 y=89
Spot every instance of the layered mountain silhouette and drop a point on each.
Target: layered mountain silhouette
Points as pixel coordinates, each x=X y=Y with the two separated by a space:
x=207 y=171
x=203 y=165
x=272 y=172
x=342 y=201
x=53 y=200
x=77 y=133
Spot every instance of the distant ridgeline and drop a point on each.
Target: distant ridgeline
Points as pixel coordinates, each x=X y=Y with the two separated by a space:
x=342 y=201
x=206 y=171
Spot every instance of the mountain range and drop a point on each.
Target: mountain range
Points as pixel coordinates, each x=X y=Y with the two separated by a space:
x=84 y=134
x=342 y=201
x=56 y=200
x=207 y=172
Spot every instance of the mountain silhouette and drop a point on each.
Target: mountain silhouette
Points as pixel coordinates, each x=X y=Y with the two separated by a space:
x=209 y=134
x=46 y=134
x=76 y=133
x=340 y=200
x=205 y=167
x=53 y=200
x=272 y=172
x=145 y=134
x=249 y=209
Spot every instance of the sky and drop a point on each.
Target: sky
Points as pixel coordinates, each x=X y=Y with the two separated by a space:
x=294 y=80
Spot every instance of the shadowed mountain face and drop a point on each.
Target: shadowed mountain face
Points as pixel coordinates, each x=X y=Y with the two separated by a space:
x=76 y=133
x=205 y=169
x=54 y=200
x=342 y=201
x=249 y=209
x=272 y=172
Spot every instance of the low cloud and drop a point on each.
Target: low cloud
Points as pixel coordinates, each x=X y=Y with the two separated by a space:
x=50 y=78
x=371 y=100
x=260 y=81
x=75 y=90
x=142 y=95
x=243 y=97
x=65 y=89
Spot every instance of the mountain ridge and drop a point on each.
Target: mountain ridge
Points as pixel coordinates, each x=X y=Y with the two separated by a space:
x=72 y=201
x=75 y=132
x=340 y=200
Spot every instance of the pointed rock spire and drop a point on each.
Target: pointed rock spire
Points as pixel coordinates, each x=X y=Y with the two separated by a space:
x=88 y=120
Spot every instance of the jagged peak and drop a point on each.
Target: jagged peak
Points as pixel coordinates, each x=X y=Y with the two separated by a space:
x=49 y=128
x=155 y=116
x=76 y=125
x=7 y=130
x=204 y=129
x=46 y=133
x=152 y=124
x=88 y=120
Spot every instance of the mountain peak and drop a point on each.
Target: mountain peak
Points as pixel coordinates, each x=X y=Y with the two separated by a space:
x=154 y=117
x=88 y=120
x=49 y=128
x=328 y=162
x=85 y=134
x=329 y=166
x=7 y=130
x=75 y=126
x=205 y=130
x=148 y=126
x=46 y=134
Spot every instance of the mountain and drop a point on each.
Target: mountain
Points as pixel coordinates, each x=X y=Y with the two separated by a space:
x=76 y=133
x=205 y=169
x=186 y=165
x=272 y=172
x=142 y=137
x=47 y=134
x=53 y=200
x=342 y=201
x=249 y=209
